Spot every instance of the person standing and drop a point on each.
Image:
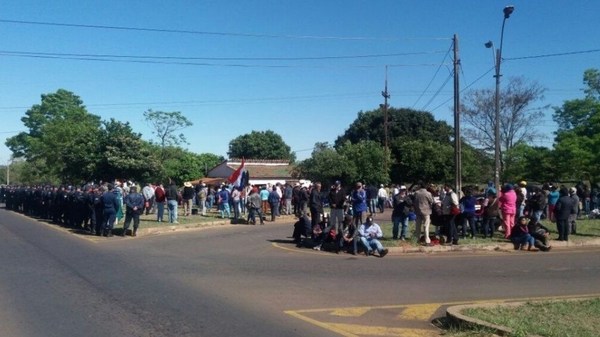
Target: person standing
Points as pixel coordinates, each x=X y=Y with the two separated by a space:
x=508 y=207
x=254 y=206
x=160 y=199
x=450 y=210
x=382 y=196
x=573 y=217
x=274 y=200
x=202 y=196
x=359 y=204
x=402 y=204
x=134 y=206
x=236 y=197
x=315 y=204
x=148 y=192
x=565 y=206
x=172 y=197
x=287 y=197
x=223 y=200
x=188 y=198
x=423 y=205
x=110 y=205
x=337 y=199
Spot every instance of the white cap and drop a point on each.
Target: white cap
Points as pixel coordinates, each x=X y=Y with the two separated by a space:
x=402 y=187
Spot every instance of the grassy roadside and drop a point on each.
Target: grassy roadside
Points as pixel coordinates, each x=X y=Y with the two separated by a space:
x=565 y=318
x=587 y=229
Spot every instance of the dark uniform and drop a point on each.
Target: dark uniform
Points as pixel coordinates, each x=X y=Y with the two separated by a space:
x=134 y=206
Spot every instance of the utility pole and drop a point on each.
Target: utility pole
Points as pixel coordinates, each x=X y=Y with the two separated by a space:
x=385 y=95
x=457 y=142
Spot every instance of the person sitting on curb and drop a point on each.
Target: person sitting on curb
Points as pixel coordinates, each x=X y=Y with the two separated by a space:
x=520 y=235
x=540 y=234
x=369 y=233
x=350 y=234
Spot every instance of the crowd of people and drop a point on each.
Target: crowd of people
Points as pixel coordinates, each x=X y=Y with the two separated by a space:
x=517 y=210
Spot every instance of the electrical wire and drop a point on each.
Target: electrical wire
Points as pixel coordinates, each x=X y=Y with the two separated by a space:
x=465 y=88
x=28 y=53
x=434 y=76
x=437 y=92
x=552 y=55
x=195 y=32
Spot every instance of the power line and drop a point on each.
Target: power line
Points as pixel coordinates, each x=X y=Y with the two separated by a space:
x=195 y=32
x=552 y=55
x=27 y=53
x=465 y=88
x=434 y=76
x=57 y=56
x=437 y=92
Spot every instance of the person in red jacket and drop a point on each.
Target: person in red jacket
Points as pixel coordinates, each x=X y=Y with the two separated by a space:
x=160 y=198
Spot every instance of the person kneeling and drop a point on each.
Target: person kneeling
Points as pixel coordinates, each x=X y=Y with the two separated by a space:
x=370 y=233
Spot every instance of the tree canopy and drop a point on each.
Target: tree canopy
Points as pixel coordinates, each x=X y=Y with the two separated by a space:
x=260 y=145
x=577 y=141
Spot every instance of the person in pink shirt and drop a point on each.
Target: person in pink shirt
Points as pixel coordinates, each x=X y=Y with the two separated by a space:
x=508 y=207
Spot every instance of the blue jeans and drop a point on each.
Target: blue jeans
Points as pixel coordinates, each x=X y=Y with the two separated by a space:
x=523 y=239
x=373 y=206
x=537 y=215
x=160 y=211
x=172 y=204
x=397 y=220
x=274 y=211
x=224 y=209
x=371 y=244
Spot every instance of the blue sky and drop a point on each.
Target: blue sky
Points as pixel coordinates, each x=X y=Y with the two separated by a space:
x=294 y=67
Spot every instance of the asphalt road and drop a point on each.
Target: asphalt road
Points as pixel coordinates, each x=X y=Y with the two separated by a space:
x=251 y=281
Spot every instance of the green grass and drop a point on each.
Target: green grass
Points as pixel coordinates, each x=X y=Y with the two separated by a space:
x=576 y=318
x=587 y=229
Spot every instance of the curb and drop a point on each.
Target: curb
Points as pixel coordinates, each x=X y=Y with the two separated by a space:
x=455 y=316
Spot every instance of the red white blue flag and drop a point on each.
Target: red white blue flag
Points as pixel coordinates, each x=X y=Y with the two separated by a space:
x=239 y=177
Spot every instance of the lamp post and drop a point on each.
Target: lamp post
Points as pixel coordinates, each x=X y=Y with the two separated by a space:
x=508 y=10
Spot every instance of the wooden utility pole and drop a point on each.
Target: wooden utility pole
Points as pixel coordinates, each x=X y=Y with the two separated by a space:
x=385 y=95
x=457 y=142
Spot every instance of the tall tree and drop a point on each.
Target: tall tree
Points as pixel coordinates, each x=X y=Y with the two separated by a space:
x=61 y=137
x=326 y=165
x=165 y=126
x=577 y=142
x=518 y=116
x=368 y=159
x=123 y=154
x=184 y=165
x=406 y=124
x=260 y=145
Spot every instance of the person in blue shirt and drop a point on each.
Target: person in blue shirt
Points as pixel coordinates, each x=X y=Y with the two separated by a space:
x=370 y=233
x=223 y=198
x=274 y=200
x=468 y=213
x=134 y=206
x=110 y=205
x=359 y=204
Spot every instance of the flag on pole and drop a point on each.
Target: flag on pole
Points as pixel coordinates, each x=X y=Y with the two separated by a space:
x=237 y=177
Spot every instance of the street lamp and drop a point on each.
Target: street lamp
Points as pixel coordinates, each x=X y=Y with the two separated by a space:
x=508 y=10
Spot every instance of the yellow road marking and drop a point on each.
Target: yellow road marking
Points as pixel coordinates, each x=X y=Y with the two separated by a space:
x=419 y=312
x=366 y=330
x=350 y=312
x=412 y=312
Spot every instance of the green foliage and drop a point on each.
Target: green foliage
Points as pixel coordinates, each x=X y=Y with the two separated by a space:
x=368 y=160
x=525 y=162
x=402 y=124
x=183 y=165
x=62 y=135
x=326 y=165
x=426 y=160
x=260 y=145
x=165 y=126
x=577 y=143
x=123 y=154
